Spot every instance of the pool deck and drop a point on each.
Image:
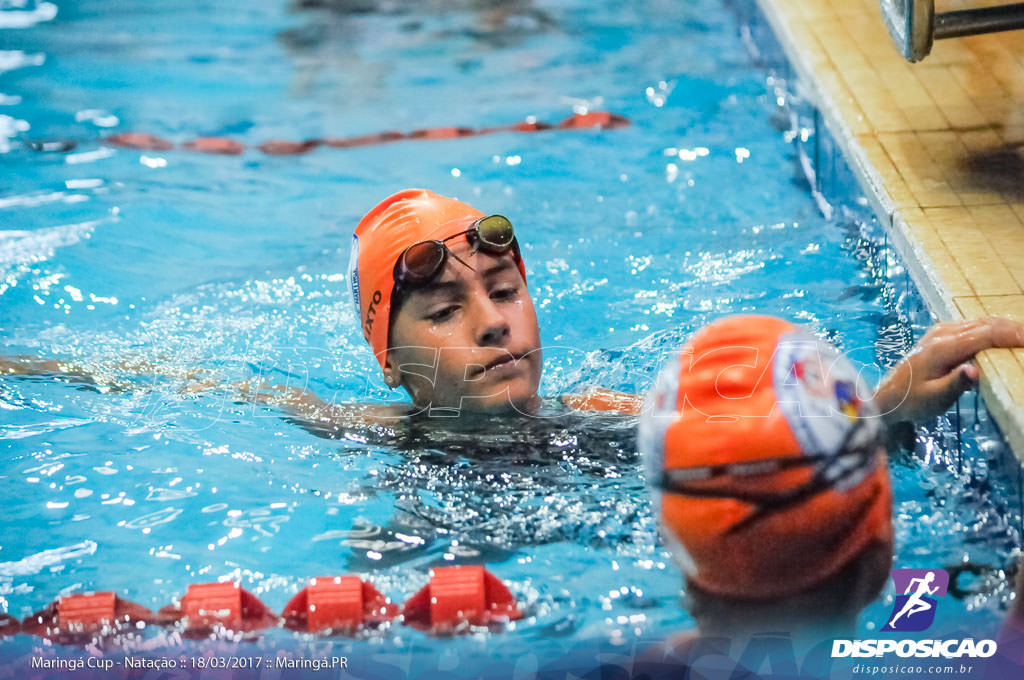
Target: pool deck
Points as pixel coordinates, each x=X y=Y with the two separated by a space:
x=939 y=148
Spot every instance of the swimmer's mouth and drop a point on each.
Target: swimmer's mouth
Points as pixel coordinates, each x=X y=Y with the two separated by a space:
x=500 y=361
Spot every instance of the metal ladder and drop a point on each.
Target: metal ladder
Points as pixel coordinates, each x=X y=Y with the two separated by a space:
x=914 y=25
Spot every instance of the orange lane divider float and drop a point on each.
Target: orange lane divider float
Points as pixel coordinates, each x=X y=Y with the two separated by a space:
x=281 y=147
x=470 y=594
x=208 y=605
x=340 y=603
x=80 y=616
x=456 y=596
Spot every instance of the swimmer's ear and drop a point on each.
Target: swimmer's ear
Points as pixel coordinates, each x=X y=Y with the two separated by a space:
x=392 y=376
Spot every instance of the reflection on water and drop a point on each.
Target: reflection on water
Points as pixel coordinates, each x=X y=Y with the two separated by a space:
x=342 y=37
x=496 y=23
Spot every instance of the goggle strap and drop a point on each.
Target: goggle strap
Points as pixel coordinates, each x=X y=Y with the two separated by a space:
x=768 y=508
x=773 y=502
x=457 y=259
x=755 y=468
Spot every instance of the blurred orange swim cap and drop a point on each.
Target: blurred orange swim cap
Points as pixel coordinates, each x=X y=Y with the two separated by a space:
x=380 y=238
x=768 y=453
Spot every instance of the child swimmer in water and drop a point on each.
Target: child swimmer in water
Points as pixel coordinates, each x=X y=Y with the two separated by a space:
x=441 y=296
x=772 y=487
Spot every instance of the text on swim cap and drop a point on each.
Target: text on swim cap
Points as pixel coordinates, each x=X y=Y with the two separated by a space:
x=371 y=313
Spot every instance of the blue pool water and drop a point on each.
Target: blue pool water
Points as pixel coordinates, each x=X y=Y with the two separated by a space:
x=234 y=266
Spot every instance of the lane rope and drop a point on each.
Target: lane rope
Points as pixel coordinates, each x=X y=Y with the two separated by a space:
x=455 y=598
x=281 y=147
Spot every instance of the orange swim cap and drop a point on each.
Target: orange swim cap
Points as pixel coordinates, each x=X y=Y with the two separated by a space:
x=394 y=224
x=768 y=450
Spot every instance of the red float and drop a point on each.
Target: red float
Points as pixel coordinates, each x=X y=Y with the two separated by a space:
x=84 y=614
x=207 y=605
x=139 y=140
x=364 y=140
x=598 y=119
x=459 y=595
x=339 y=603
x=442 y=133
x=215 y=145
x=282 y=147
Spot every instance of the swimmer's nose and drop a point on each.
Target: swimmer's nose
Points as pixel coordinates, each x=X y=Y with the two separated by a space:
x=493 y=329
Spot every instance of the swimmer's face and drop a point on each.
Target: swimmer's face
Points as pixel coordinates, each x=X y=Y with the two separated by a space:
x=469 y=340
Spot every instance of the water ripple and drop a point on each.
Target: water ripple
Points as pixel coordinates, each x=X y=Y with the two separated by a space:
x=33 y=564
x=154 y=518
x=18 y=246
x=27 y=18
x=15 y=59
x=25 y=431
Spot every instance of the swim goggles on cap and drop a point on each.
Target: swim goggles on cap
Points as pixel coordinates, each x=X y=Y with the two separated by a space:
x=830 y=469
x=421 y=262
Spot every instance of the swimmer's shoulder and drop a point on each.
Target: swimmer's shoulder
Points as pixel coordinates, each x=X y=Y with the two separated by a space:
x=600 y=399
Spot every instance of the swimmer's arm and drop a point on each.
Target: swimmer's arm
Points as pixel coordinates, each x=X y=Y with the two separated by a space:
x=941 y=368
x=29 y=365
x=114 y=375
x=600 y=399
x=300 y=406
x=322 y=418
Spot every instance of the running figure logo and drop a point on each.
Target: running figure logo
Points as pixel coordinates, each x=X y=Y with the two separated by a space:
x=914 y=609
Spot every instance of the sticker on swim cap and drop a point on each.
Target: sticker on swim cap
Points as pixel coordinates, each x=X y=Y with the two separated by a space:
x=820 y=393
x=353 y=275
x=658 y=414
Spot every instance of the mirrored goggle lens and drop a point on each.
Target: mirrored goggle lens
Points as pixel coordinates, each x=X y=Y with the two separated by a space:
x=495 y=232
x=421 y=261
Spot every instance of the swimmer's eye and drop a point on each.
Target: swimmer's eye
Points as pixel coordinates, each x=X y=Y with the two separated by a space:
x=505 y=294
x=443 y=314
